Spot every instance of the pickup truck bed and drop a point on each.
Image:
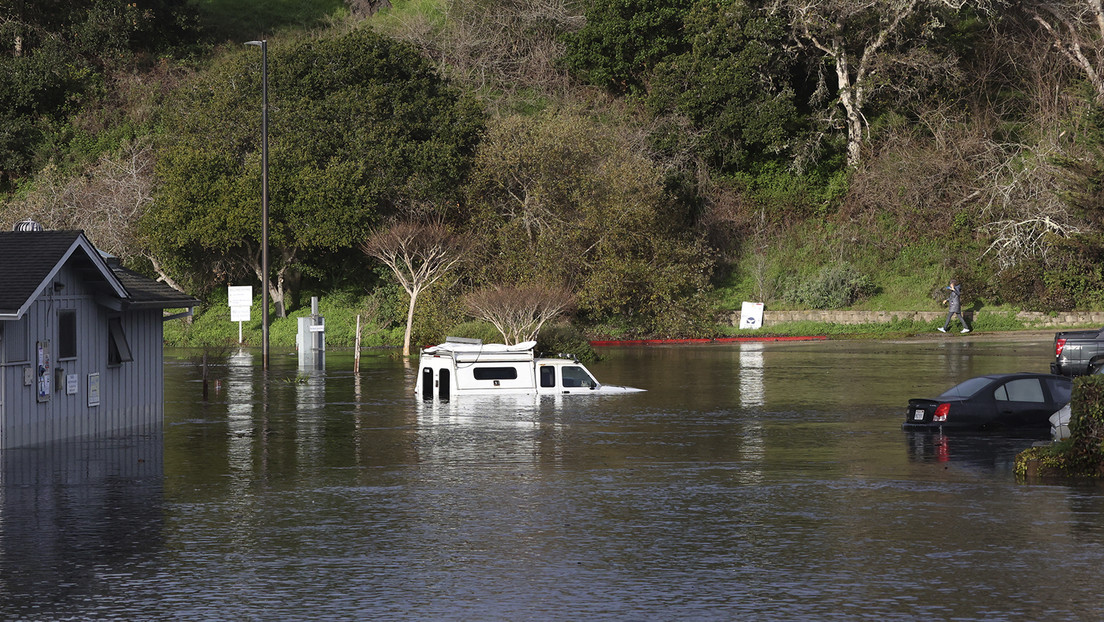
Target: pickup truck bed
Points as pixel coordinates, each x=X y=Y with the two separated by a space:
x=1078 y=352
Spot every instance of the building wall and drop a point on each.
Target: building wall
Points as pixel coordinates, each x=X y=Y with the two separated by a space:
x=131 y=394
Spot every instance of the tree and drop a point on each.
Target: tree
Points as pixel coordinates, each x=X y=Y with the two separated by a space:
x=495 y=46
x=867 y=41
x=106 y=202
x=419 y=255
x=622 y=40
x=519 y=312
x=359 y=124
x=733 y=84
x=558 y=197
x=1076 y=28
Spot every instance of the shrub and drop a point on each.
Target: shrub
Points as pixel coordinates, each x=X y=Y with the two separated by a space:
x=1082 y=454
x=565 y=338
x=834 y=287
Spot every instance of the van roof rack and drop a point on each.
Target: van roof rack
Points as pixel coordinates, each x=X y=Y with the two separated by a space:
x=467 y=340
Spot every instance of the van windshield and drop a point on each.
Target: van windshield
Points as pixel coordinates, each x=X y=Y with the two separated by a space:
x=575 y=376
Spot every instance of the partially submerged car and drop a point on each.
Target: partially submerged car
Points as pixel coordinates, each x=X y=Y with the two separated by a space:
x=995 y=401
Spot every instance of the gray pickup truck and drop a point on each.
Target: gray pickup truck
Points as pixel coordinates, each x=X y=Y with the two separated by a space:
x=1078 y=353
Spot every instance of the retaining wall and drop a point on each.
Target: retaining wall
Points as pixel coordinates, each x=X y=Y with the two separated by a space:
x=1032 y=318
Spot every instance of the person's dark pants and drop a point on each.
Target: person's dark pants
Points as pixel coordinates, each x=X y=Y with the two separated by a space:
x=961 y=318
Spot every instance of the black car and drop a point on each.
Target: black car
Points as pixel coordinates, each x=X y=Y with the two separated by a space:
x=997 y=400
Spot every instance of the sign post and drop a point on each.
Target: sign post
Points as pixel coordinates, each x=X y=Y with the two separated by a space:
x=240 y=298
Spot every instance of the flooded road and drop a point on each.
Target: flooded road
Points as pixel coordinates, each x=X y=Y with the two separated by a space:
x=752 y=481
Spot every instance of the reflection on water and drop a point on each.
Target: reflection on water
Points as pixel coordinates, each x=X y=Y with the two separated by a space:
x=74 y=518
x=754 y=481
x=526 y=428
x=991 y=453
x=240 y=409
x=752 y=386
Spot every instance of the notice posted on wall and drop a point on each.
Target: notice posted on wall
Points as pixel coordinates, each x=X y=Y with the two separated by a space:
x=93 y=389
x=751 y=315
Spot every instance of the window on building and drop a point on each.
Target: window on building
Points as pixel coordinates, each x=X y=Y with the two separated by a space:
x=14 y=346
x=118 y=349
x=67 y=334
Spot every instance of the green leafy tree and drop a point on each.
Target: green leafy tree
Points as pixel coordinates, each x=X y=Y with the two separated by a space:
x=559 y=198
x=38 y=90
x=359 y=125
x=56 y=56
x=623 y=40
x=733 y=84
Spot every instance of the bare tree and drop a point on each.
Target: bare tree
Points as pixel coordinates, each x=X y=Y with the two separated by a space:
x=863 y=38
x=419 y=254
x=105 y=202
x=495 y=44
x=519 y=312
x=1076 y=28
x=1021 y=198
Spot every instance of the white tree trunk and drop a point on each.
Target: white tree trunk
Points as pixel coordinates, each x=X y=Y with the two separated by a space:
x=409 y=322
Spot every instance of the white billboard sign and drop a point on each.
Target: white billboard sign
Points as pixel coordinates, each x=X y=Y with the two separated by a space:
x=751 y=315
x=241 y=300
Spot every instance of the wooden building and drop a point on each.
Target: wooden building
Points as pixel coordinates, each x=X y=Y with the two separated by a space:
x=80 y=340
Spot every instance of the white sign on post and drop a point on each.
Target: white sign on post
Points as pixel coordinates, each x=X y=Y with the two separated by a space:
x=240 y=298
x=751 y=315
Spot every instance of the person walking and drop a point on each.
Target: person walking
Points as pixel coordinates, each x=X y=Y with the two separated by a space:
x=954 y=307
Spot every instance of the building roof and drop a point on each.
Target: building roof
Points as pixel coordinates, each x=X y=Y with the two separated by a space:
x=145 y=292
x=29 y=261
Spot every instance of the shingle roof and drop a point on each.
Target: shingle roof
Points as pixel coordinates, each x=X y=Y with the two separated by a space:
x=30 y=259
x=145 y=292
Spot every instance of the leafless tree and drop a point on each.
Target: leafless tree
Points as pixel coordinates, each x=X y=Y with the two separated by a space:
x=105 y=202
x=419 y=254
x=500 y=45
x=1020 y=193
x=864 y=40
x=1076 y=28
x=519 y=312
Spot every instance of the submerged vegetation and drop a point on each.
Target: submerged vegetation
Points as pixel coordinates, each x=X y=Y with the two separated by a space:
x=659 y=160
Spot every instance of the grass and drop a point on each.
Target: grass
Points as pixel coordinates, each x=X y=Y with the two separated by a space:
x=212 y=327
x=989 y=322
x=403 y=12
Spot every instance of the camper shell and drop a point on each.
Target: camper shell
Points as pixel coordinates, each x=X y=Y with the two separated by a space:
x=469 y=366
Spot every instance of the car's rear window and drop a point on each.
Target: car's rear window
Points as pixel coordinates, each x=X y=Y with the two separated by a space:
x=965 y=389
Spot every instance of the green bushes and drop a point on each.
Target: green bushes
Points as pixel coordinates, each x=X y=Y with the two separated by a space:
x=835 y=286
x=1085 y=453
x=1082 y=454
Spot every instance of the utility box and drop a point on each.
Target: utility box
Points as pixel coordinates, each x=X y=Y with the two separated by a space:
x=310 y=340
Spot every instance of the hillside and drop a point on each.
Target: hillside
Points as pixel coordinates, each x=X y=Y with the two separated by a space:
x=660 y=159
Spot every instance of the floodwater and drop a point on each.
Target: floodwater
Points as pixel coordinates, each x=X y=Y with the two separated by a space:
x=750 y=482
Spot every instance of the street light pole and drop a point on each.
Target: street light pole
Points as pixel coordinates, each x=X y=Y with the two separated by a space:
x=263 y=43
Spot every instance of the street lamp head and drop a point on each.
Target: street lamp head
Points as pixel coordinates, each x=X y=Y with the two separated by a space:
x=257 y=43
